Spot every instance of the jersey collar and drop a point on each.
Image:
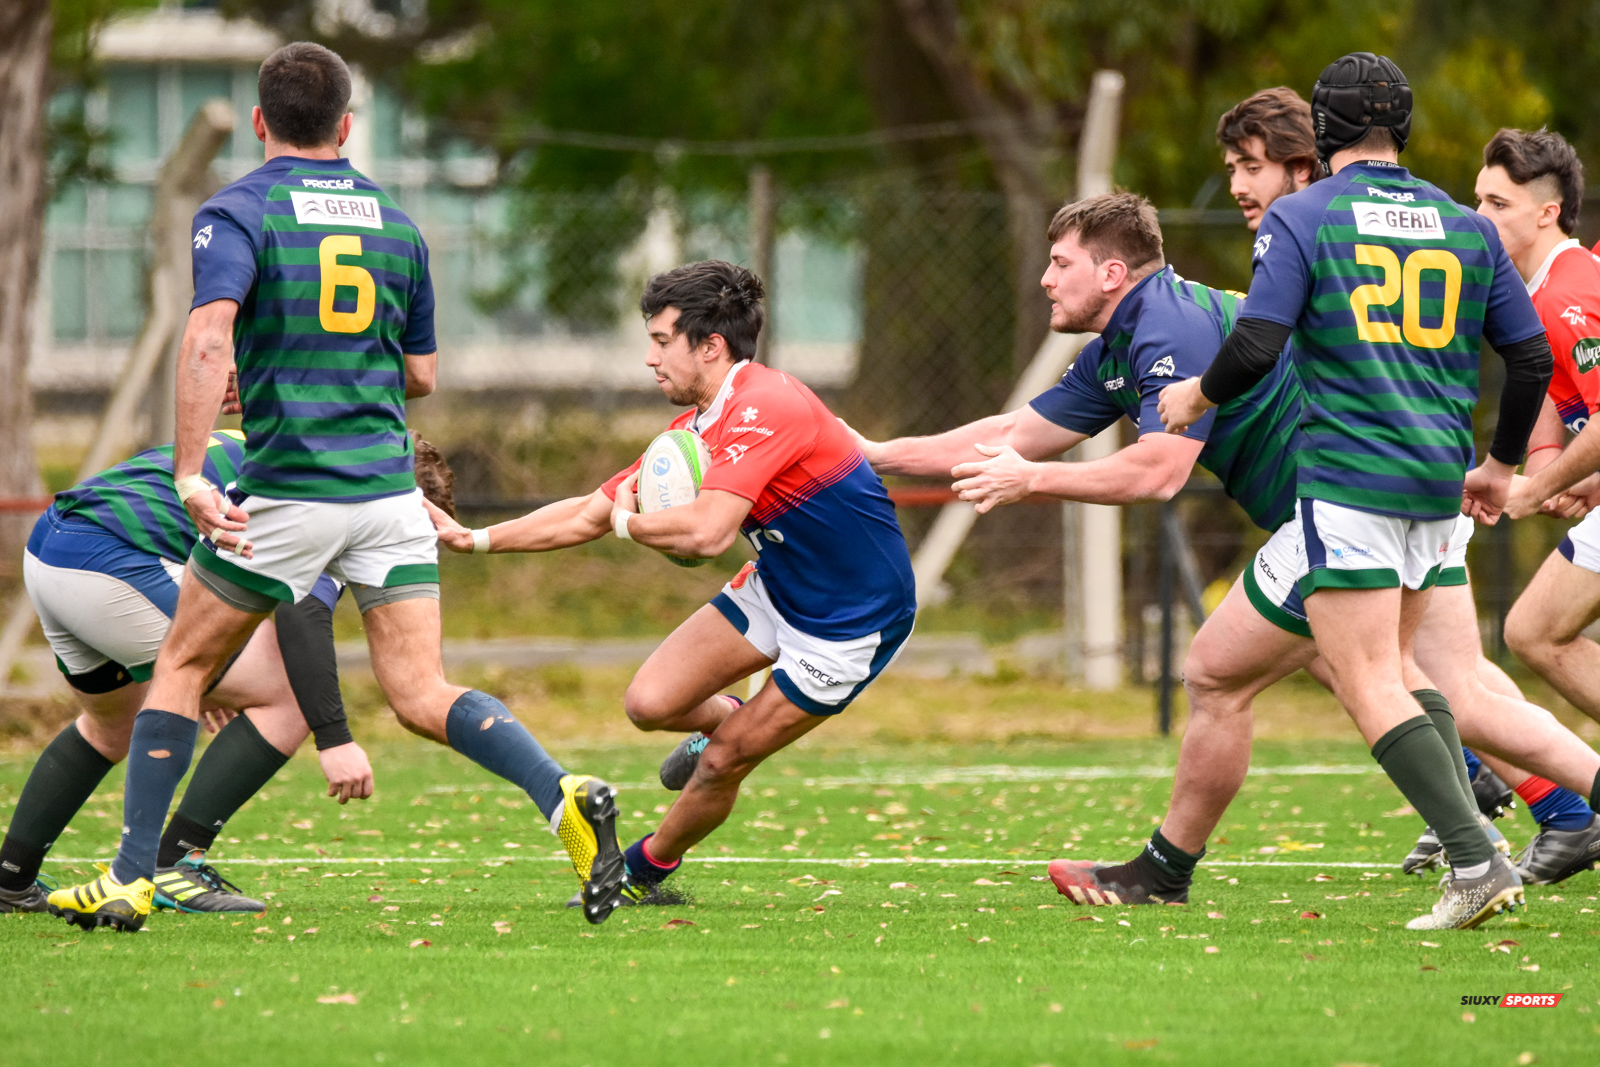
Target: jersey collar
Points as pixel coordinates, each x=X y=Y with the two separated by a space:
x=1129 y=307
x=1549 y=261
x=708 y=418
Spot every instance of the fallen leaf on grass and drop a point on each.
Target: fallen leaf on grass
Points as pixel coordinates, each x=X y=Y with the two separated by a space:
x=1215 y=915
x=342 y=998
x=1322 y=878
x=1088 y=919
x=680 y=922
x=842 y=1002
x=1428 y=944
x=1309 y=915
x=1148 y=1042
x=1468 y=1017
x=420 y=943
x=1212 y=948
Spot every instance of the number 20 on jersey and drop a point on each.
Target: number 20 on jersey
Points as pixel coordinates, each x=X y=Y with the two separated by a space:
x=1406 y=282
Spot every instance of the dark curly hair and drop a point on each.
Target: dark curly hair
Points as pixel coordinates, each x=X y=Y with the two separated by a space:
x=434 y=476
x=712 y=297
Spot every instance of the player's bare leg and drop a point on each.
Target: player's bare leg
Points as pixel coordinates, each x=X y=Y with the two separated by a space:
x=677 y=687
x=404 y=638
x=205 y=632
x=749 y=735
x=407 y=659
x=1519 y=733
x=1236 y=655
x=1545 y=629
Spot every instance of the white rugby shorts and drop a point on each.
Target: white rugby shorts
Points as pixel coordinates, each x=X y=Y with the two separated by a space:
x=376 y=544
x=817 y=675
x=1274 y=580
x=1581 y=546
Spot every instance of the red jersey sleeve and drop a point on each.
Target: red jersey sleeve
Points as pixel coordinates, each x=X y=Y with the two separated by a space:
x=766 y=431
x=1569 y=306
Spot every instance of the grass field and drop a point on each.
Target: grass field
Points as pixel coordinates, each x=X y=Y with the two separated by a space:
x=868 y=903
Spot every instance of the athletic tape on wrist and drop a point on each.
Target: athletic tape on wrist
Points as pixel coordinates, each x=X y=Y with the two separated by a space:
x=619 y=523
x=480 y=540
x=190 y=484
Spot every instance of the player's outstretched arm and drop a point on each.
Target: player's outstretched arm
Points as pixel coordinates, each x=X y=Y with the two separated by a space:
x=1153 y=468
x=1577 y=461
x=574 y=521
x=1488 y=488
x=1024 y=429
x=205 y=362
x=704 y=528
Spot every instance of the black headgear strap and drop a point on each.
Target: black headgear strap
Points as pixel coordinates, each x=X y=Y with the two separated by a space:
x=1355 y=93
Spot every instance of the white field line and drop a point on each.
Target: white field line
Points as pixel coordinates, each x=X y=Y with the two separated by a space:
x=819 y=861
x=982 y=775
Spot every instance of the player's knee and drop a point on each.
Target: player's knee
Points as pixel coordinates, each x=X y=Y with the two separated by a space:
x=723 y=765
x=647 y=706
x=1527 y=636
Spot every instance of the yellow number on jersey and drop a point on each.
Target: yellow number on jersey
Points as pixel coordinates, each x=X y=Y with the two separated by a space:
x=1407 y=281
x=1383 y=295
x=336 y=274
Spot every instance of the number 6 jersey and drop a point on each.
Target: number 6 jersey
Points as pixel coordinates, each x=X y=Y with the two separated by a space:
x=333 y=289
x=1389 y=286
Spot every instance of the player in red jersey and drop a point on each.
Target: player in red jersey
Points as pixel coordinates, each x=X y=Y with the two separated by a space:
x=827 y=604
x=1532 y=187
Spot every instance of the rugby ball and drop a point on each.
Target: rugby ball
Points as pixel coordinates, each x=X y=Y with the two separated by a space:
x=670 y=474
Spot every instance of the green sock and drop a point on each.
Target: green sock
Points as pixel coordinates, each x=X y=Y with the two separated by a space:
x=1444 y=720
x=237 y=763
x=1416 y=759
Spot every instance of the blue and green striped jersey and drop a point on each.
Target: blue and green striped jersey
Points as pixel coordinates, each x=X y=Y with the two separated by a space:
x=1167 y=329
x=1389 y=286
x=333 y=290
x=136 y=500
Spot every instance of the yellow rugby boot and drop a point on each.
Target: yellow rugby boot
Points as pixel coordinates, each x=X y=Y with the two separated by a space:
x=587 y=826
x=104 y=902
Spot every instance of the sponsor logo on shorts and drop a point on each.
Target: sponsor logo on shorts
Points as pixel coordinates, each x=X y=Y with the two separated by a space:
x=332 y=208
x=1401 y=198
x=1114 y=384
x=1514 y=1000
x=1350 y=550
x=1261 y=561
x=1163 y=367
x=1387 y=220
x=1586 y=354
x=328 y=183
x=821 y=676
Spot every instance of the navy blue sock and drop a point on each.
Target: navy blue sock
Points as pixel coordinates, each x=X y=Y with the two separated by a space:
x=481 y=729
x=642 y=867
x=1561 y=809
x=1473 y=762
x=158 y=756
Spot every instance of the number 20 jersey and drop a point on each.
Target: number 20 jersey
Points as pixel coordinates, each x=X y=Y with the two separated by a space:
x=1389 y=286
x=333 y=289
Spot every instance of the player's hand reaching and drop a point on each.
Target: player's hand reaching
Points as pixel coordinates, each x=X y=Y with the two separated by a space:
x=220 y=521
x=1182 y=404
x=1005 y=478
x=214 y=717
x=452 y=535
x=1487 y=493
x=1576 y=502
x=230 y=397
x=348 y=772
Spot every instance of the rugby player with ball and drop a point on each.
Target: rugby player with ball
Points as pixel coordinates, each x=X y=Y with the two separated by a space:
x=829 y=600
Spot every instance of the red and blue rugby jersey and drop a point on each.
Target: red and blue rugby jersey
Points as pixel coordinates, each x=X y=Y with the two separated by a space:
x=1566 y=294
x=829 y=548
x=333 y=290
